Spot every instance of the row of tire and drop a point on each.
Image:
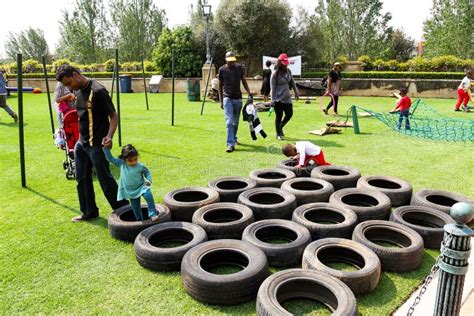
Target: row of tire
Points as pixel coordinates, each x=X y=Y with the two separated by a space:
x=266 y=203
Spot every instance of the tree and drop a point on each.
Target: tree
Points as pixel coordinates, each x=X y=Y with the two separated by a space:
x=85 y=33
x=139 y=24
x=253 y=28
x=449 y=29
x=188 y=61
x=353 y=27
x=399 y=46
x=30 y=43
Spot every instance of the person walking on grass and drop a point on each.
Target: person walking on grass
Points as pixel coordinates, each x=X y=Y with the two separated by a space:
x=266 y=76
x=3 y=98
x=280 y=82
x=97 y=124
x=463 y=92
x=230 y=75
x=135 y=181
x=334 y=88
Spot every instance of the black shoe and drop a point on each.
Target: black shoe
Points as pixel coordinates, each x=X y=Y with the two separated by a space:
x=230 y=149
x=82 y=217
x=457 y=110
x=325 y=111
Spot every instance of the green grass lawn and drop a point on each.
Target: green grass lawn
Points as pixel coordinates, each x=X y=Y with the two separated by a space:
x=50 y=265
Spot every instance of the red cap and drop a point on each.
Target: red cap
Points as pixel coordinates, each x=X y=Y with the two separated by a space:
x=284 y=59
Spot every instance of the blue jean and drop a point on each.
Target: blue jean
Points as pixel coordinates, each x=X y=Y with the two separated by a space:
x=137 y=209
x=404 y=114
x=232 y=109
x=87 y=157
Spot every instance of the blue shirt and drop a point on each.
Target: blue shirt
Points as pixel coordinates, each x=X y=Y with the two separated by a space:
x=132 y=179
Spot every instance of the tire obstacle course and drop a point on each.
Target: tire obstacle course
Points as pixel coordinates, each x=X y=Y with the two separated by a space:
x=260 y=225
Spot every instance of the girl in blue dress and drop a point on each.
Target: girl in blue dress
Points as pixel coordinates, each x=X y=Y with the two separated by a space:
x=135 y=181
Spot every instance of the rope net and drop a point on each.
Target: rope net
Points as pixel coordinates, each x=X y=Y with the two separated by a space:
x=426 y=122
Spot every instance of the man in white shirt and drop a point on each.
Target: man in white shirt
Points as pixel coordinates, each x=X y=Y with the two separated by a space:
x=306 y=153
x=463 y=92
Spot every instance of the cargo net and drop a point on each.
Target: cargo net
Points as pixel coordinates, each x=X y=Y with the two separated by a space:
x=426 y=122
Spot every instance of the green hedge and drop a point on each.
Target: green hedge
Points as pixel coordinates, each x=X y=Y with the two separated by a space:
x=389 y=75
x=135 y=74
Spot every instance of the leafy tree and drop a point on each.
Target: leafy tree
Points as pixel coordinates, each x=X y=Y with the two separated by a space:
x=85 y=33
x=399 y=46
x=449 y=29
x=139 y=24
x=30 y=42
x=188 y=61
x=353 y=27
x=253 y=28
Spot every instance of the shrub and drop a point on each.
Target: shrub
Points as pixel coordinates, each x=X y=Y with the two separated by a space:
x=60 y=62
x=390 y=75
x=366 y=62
x=109 y=65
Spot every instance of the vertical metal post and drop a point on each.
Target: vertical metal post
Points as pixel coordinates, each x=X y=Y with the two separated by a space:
x=208 y=48
x=113 y=83
x=205 y=90
x=144 y=84
x=46 y=81
x=118 y=96
x=453 y=266
x=19 y=83
x=355 y=119
x=172 y=87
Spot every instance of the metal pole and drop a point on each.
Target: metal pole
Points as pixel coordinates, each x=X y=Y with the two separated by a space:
x=47 y=93
x=144 y=85
x=113 y=82
x=172 y=87
x=208 y=48
x=19 y=83
x=355 y=120
x=455 y=251
x=118 y=97
x=205 y=90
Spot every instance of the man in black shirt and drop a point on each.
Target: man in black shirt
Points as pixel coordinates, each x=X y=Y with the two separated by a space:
x=94 y=108
x=230 y=75
x=334 y=88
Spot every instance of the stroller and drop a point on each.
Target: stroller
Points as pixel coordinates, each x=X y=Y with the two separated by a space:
x=66 y=138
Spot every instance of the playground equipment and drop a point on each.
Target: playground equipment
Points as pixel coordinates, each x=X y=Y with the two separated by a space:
x=425 y=122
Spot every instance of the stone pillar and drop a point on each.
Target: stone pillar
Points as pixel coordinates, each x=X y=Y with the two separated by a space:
x=205 y=76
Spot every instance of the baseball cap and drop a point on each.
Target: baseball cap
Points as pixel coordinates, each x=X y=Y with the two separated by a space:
x=230 y=56
x=284 y=59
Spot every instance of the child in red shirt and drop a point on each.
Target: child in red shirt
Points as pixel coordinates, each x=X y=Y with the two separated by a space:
x=403 y=106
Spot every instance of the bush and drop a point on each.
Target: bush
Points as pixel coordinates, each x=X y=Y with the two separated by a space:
x=390 y=75
x=436 y=64
x=109 y=65
x=366 y=62
x=135 y=74
x=60 y=62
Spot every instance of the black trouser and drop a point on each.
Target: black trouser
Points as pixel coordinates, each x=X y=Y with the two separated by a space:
x=280 y=122
x=331 y=103
x=87 y=157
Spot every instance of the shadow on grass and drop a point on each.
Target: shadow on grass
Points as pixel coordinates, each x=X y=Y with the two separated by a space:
x=12 y=124
x=99 y=221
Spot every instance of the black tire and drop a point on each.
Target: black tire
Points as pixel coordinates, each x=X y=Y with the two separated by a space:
x=300 y=283
x=326 y=220
x=425 y=221
x=229 y=289
x=268 y=203
x=271 y=177
x=398 y=191
x=229 y=188
x=151 y=256
x=223 y=220
x=367 y=204
x=406 y=257
x=438 y=199
x=124 y=226
x=290 y=164
x=339 y=176
x=328 y=250
x=184 y=202
x=279 y=255
x=308 y=190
